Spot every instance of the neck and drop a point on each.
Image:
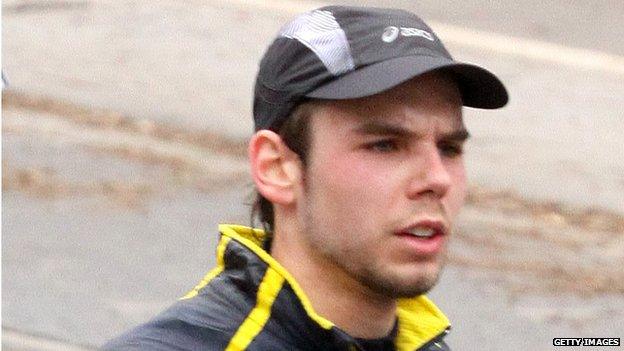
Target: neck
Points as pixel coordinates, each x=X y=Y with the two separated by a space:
x=335 y=294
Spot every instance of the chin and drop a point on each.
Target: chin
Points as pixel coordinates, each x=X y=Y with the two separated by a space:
x=419 y=286
x=403 y=284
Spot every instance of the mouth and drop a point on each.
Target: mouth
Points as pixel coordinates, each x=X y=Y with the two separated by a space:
x=425 y=237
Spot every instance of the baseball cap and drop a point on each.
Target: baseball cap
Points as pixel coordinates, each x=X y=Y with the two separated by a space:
x=345 y=52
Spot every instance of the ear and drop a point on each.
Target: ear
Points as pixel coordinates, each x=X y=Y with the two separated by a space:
x=275 y=169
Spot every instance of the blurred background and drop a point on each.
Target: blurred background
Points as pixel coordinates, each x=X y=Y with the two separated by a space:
x=124 y=129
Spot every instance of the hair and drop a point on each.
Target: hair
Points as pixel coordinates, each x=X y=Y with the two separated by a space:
x=295 y=133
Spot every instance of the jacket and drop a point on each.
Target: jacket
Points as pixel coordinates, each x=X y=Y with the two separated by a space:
x=250 y=302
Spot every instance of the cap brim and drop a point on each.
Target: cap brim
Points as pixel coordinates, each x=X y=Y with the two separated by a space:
x=479 y=87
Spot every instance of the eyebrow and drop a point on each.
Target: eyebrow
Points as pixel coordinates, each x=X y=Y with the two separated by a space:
x=459 y=135
x=381 y=128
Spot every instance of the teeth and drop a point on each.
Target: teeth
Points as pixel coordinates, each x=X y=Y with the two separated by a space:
x=422 y=233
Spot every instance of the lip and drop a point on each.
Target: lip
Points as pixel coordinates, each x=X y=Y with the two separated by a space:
x=424 y=246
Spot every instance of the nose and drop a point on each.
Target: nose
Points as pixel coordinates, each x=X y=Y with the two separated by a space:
x=430 y=175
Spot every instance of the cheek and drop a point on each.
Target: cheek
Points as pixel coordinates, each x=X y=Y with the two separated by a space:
x=348 y=192
x=354 y=180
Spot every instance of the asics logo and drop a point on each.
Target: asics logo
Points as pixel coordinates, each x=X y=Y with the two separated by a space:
x=391 y=33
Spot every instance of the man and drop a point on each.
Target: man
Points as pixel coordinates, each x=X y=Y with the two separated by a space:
x=357 y=160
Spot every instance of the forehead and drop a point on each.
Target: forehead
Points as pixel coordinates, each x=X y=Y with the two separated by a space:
x=430 y=101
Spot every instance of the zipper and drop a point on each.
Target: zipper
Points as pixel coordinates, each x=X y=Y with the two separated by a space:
x=435 y=340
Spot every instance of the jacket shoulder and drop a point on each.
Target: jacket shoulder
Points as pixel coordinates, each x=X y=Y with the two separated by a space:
x=169 y=335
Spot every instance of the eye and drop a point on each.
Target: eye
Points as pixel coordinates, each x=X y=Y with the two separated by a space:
x=451 y=149
x=385 y=145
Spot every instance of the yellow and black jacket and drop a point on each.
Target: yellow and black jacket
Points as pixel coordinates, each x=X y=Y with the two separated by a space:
x=250 y=302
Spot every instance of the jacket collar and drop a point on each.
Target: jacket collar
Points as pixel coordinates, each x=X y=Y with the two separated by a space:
x=419 y=320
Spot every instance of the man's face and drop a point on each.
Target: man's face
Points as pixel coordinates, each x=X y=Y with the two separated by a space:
x=385 y=180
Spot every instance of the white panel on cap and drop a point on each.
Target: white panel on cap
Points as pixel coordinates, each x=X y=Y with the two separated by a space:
x=319 y=31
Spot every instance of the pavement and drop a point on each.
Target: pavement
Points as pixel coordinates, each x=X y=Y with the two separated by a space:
x=124 y=130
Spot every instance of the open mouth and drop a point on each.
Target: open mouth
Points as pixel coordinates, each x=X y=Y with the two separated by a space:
x=424 y=229
x=426 y=237
x=422 y=232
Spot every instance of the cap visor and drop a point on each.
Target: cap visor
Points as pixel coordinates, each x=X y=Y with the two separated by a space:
x=479 y=87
